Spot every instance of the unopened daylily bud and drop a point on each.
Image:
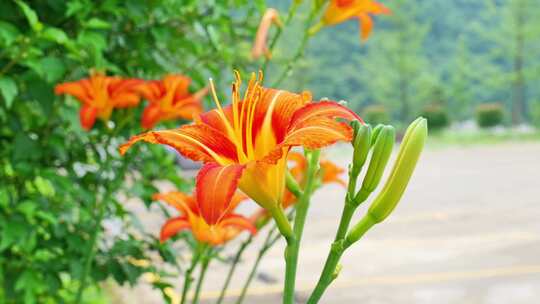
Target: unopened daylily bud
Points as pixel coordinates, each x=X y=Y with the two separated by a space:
x=375 y=133
x=379 y=158
x=409 y=153
x=355 y=125
x=362 y=145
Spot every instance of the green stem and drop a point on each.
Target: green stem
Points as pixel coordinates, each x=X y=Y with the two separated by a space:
x=270 y=240
x=282 y=222
x=207 y=257
x=293 y=244
x=92 y=247
x=352 y=201
x=301 y=48
x=188 y=278
x=230 y=274
x=331 y=269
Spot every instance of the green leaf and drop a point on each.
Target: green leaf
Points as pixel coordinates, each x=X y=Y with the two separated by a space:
x=99 y=24
x=27 y=208
x=12 y=231
x=55 y=34
x=8 y=88
x=31 y=16
x=8 y=33
x=52 y=68
x=44 y=186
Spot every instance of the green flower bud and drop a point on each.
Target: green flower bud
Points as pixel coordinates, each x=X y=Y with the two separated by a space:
x=379 y=158
x=408 y=155
x=355 y=125
x=375 y=133
x=362 y=145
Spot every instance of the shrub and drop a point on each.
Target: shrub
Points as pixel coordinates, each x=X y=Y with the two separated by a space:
x=489 y=115
x=437 y=116
x=375 y=114
x=56 y=179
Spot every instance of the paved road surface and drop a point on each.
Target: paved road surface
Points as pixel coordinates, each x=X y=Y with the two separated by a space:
x=467 y=231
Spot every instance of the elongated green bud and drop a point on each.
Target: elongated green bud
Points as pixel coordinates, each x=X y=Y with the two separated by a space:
x=379 y=158
x=408 y=155
x=362 y=145
x=375 y=133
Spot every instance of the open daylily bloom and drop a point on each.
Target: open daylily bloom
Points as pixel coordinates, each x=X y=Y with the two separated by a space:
x=257 y=132
x=339 y=11
x=209 y=213
x=100 y=94
x=170 y=98
x=259 y=47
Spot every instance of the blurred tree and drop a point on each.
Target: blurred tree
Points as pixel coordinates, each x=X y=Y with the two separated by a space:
x=460 y=83
x=395 y=70
x=508 y=34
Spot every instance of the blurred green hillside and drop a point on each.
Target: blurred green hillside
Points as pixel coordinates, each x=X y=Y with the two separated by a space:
x=457 y=54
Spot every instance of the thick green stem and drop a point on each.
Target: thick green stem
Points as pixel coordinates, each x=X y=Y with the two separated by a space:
x=207 y=257
x=293 y=244
x=230 y=274
x=188 y=278
x=282 y=222
x=268 y=243
x=331 y=269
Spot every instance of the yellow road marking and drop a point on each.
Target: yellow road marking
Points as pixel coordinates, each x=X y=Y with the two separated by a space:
x=435 y=277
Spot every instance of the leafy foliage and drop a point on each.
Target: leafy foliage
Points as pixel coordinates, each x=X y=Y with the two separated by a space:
x=56 y=178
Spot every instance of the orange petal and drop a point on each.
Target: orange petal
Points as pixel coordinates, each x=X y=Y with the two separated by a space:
x=331 y=173
x=239 y=222
x=151 y=90
x=197 y=142
x=318 y=132
x=213 y=119
x=180 y=201
x=378 y=8
x=77 y=89
x=215 y=187
x=172 y=227
x=88 y=116
x=277 y=107
x=366 y=26
x=339 y=11
x=150 y=116
x=328 y=109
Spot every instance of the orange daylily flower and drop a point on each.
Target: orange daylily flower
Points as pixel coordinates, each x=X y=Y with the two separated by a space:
x=100 y=94
x=341 y=10
x=257 y=131
x=209 y=212
x=169 y=99
x=271 y=16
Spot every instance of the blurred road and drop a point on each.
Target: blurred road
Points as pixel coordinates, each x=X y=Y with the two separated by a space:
x=466 y=231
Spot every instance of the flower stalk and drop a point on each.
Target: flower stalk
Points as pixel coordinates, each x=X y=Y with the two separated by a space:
x=205 y=261
x=232 y=269
x=383 y=204
x=293 y=244
x=188 y=278
x=270 y=240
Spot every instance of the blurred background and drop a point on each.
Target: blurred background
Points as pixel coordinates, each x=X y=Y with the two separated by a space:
x=467 y=230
